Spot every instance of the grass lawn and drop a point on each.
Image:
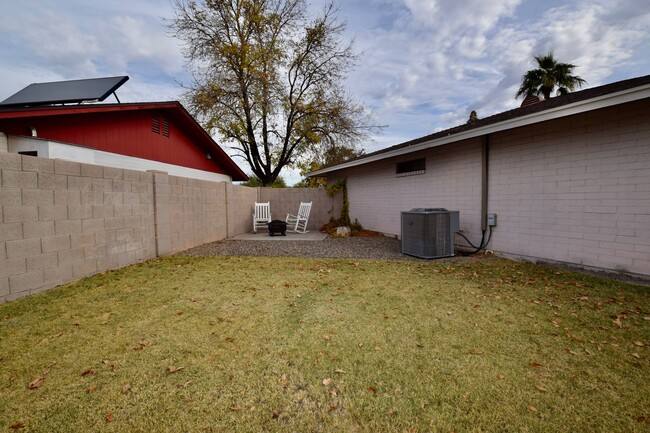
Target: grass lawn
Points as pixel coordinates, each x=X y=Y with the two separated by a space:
x=218 y=344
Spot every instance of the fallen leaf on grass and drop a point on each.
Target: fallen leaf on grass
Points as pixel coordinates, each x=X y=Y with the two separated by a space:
x=184 y=385
x=571 y=352
x=536 y=364
x=284 y=381
x=126 y=388
x=141 y=345
x=327 y=337
x=18 y=426
x=420 y=345
x=372 y=389
x=639 y=343
x=501 y=376
x=109 y=417
x=327 y=381
x=476 y=352
x=360 y=344
x=92 y=389
x=333 y=408
x=88 y=372
x=36 y=382
x=540 y=388
x=338 y=370
x=235 y=409
x=174 y=369
x=617 y=321
x=276 y=413
x=390 y=411
x=532 y=408
x=636 y=355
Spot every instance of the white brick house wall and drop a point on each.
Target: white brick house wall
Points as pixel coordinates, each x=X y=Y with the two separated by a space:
x=575 y=189
x=452 y=180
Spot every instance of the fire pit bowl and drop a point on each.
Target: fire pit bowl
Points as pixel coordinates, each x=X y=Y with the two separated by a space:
x=277 y=226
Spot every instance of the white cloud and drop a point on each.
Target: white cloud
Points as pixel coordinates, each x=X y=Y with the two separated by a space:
x=458 y=56
x=47 y=37
x=136 y=40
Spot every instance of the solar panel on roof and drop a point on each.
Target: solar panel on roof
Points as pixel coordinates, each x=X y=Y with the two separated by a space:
x=66 y=92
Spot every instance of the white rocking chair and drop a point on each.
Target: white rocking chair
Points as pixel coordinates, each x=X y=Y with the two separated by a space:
x=298 y=223
x=262 y=216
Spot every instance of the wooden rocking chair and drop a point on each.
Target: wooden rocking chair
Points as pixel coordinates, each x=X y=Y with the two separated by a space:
x=262 y=216
x=298 y=223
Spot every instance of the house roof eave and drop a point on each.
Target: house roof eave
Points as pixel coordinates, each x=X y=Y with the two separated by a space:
x=582 y=106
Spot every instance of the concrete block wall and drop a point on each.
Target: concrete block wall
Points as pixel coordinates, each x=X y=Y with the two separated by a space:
x=576 y=190
x=62 y=220
x=287 y=200
x=197 y=210
x=573 y=190
x=452 y=180
x=240 y=201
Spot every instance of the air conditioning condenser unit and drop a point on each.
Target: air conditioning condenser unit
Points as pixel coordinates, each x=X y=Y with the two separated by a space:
x=428 y=233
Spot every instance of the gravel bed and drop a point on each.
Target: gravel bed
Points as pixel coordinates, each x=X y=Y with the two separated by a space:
x=381 y=248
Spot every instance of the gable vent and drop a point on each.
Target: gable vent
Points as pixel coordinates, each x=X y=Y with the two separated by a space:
x=165 y=127
x=155 y=124
x=160 y=125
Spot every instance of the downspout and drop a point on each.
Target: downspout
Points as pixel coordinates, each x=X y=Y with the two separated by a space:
x=485 y=151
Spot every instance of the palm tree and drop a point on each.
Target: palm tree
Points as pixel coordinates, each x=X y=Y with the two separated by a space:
x=549 y=74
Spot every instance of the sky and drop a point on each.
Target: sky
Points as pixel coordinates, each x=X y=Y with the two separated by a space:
x=424 y=65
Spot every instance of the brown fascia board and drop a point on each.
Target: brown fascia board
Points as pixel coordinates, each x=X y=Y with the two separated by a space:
x=482 y=126
x=174 y=107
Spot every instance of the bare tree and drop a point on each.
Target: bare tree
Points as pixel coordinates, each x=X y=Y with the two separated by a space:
x=269 y=79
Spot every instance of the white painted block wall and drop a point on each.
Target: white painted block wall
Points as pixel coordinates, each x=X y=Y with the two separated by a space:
x=574 y=190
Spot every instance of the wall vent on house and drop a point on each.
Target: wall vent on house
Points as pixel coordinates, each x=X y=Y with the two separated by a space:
x=155 y=124
x=165 y=127
x=428 y=233
x=411 y=168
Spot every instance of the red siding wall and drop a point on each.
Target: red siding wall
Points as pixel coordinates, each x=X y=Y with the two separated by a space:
x=127 y=133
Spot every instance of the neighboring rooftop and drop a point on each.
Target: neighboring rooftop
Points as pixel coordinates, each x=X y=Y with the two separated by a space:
x=173 y=109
